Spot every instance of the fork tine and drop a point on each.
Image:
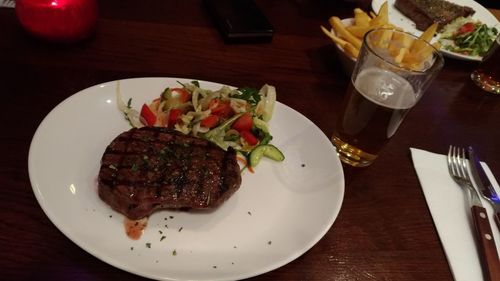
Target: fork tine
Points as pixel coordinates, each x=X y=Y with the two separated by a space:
x=458 y=158
x=455 y=165
x=457 y=162
x=450 y=160
x=465 y=165
x=460 y=154
x=461 y=163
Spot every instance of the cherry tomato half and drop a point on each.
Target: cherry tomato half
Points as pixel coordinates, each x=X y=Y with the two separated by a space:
x=148 y=115
x=210 y=121
x=244 y=123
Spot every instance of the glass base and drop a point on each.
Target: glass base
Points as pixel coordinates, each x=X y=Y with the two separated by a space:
x=486 y=82
x=352 y=155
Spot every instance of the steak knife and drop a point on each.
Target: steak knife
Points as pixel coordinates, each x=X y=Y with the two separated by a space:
x=484 y=184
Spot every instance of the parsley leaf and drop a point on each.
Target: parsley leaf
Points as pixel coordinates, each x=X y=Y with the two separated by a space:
x=251 y=95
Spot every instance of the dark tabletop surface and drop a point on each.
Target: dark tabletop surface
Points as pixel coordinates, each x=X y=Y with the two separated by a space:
x=384 y=230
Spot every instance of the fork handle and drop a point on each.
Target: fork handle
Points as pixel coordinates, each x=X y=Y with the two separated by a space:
x=487 y=248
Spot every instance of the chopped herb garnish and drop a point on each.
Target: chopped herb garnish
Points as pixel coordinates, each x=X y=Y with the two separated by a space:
x=174 y=252
x=171 y=217
x=303 y=165
x=214 y=266
x=249 y=94
x=129 y=107
x=110 y=216
x=135 y=168
x=148 y=245
x=249 y=213
x=180 y=229
x=131 y=248
x=196 y=83
x=269 y=242
x=161 y=232
x=163 y=237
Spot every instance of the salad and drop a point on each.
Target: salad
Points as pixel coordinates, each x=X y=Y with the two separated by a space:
x=468 y=37
x=230 y=118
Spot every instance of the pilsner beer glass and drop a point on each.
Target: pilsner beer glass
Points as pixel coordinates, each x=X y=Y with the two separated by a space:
x=392 y=72
x=487 y=75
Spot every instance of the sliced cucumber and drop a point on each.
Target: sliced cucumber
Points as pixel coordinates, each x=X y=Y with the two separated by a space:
x=267 y=150
x=260 y=124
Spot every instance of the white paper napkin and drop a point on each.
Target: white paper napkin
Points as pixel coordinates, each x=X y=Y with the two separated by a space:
x=450 y=211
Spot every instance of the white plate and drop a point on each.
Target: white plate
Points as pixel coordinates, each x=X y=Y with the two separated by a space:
x=278 y=213
x=397 y=18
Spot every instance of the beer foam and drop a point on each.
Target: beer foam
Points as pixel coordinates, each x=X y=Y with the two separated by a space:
x=385 y=88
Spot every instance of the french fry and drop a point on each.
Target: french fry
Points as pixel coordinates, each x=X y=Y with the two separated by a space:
x=420 y=51
x=416 y=59
x=400 y=55
x=429 y=32
x=392 y=26
x=332 y=36
x=399 y=46
x=361 y=19
x=424 y=53
x=384 y=39
x=343 y=33
x=348 y=47
x=427 y=36
x=358 y=31
x=382 y=16
x=350 y=37
x=351 y=50
x=399 y=41
x=405 y=50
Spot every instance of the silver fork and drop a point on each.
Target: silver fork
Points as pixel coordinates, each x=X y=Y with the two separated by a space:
x=458 y=166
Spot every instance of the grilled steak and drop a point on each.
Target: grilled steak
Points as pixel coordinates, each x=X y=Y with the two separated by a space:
x=151 y=168
x=426 y=12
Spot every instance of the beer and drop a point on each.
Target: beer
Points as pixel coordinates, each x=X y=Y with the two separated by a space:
x=487 y=75
x=382 y=91
x=375 y=106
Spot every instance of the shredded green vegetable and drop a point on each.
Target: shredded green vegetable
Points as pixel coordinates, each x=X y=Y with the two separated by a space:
x=468 y=37
x=210 y=114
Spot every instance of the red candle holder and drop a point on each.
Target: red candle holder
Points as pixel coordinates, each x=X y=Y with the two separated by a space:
x=58 y=20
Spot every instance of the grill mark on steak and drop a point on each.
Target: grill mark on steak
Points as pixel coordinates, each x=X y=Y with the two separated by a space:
x=152 y=168
x=425 y=12
x=224 y=185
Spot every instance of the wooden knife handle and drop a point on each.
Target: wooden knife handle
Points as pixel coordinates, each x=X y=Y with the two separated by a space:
x=486 y=244
x=497 y=219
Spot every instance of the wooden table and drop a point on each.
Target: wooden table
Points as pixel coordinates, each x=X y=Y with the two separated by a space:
x=384 y=230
